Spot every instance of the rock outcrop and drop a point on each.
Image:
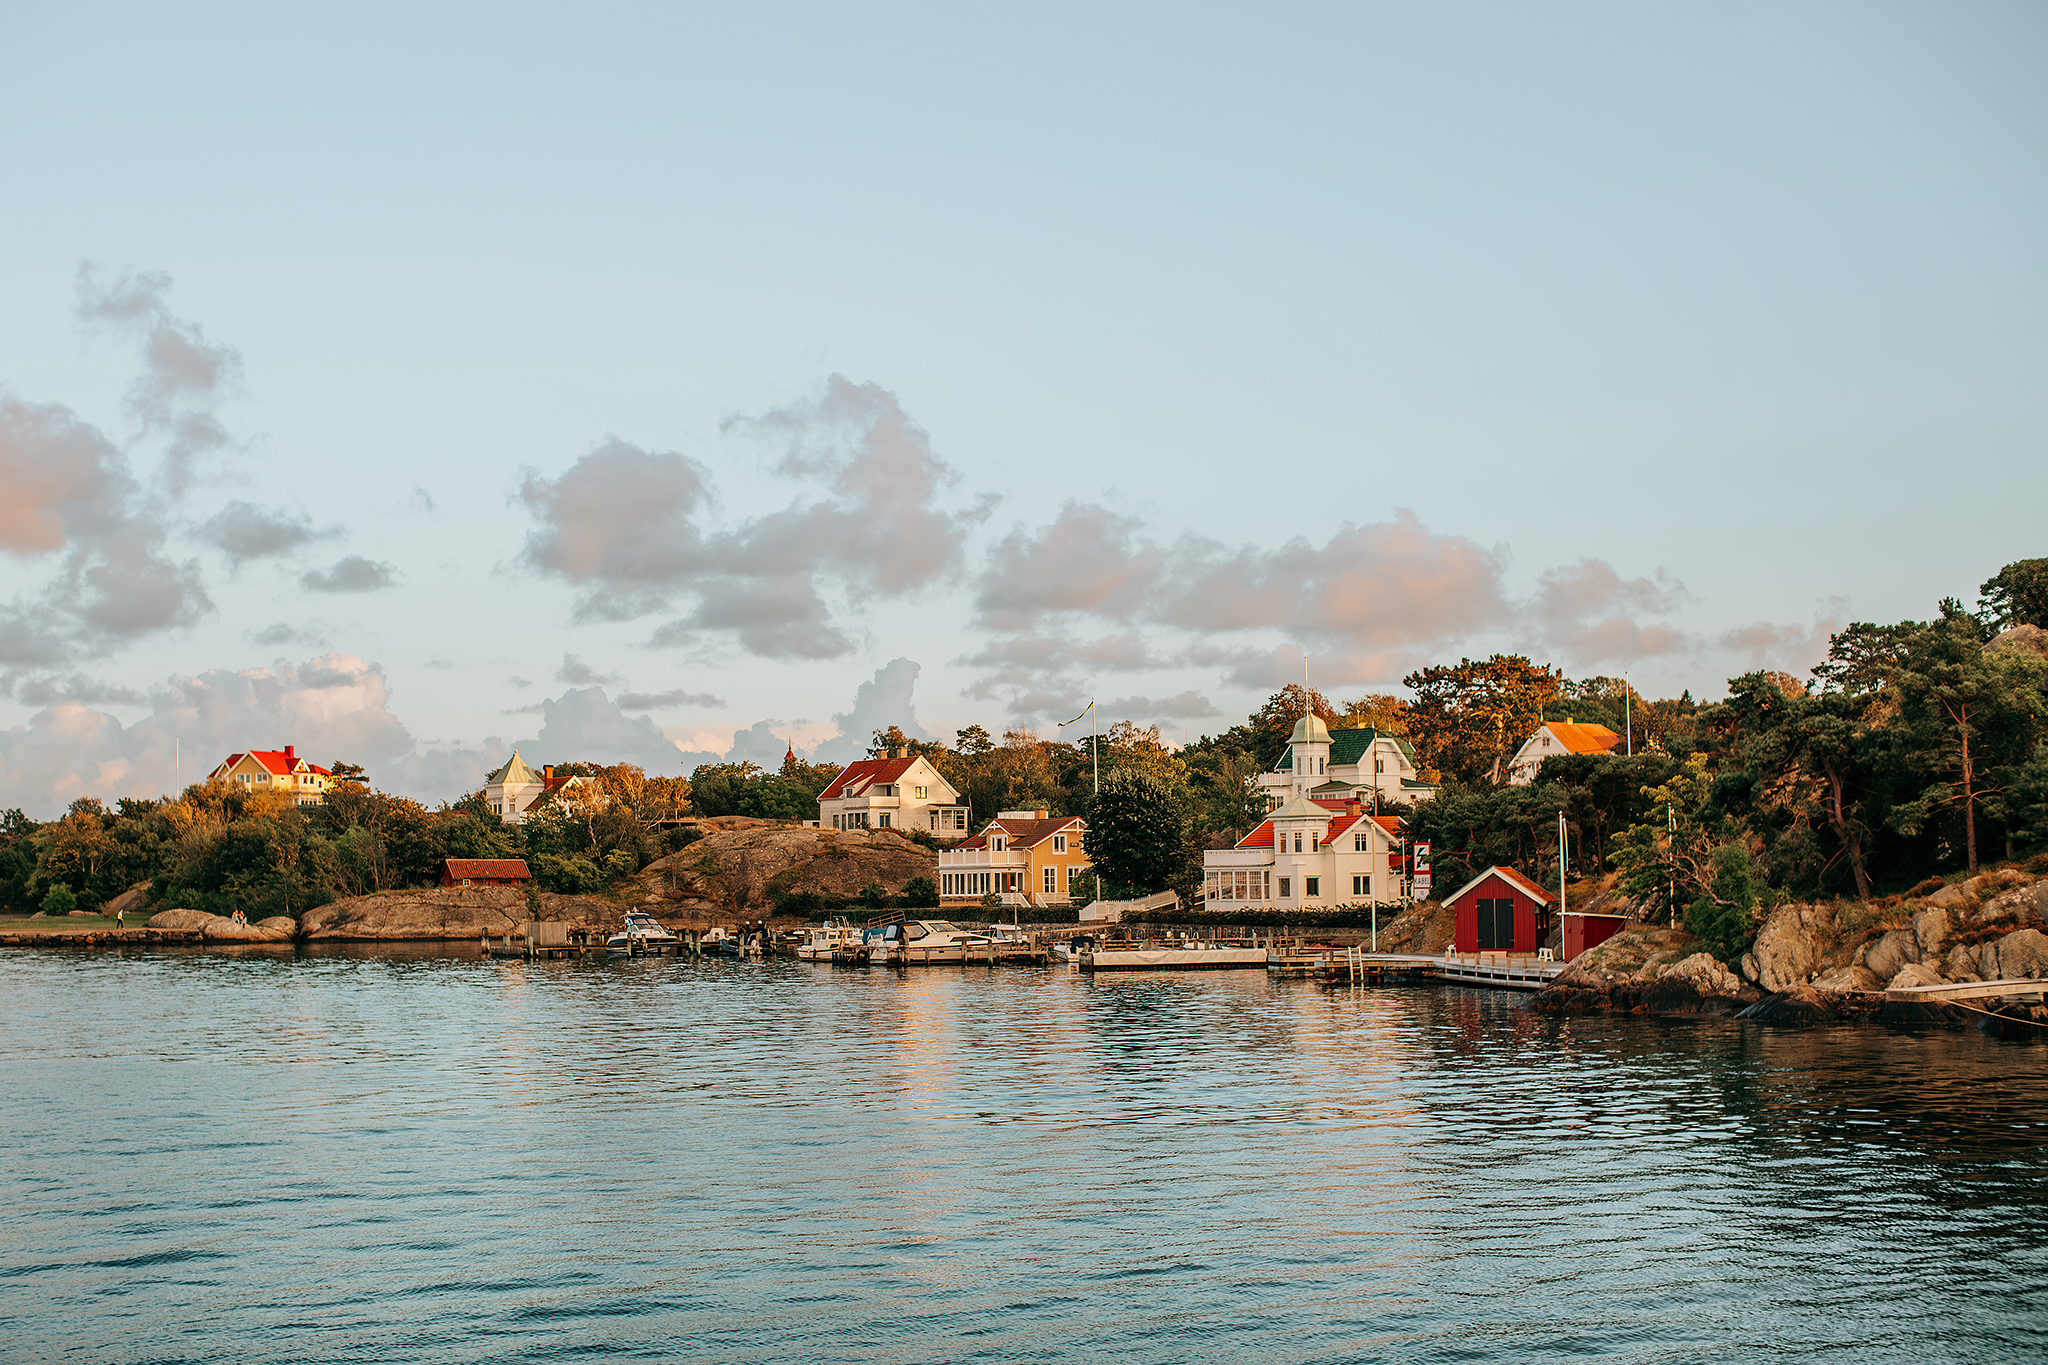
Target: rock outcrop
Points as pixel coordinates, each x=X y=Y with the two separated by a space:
x=447 y=913
x=129 y=902
x=222 y=928
x=1424 y=927
x=742 y=869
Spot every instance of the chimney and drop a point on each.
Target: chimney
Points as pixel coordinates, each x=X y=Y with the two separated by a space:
x=1357 y=806
x=547 y=772
x=895 y=751
x=291 y=755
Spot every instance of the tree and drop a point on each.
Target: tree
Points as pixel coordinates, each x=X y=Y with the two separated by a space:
x=1667 y=859
x=59 y=900
x=347 y=772
x=920 y=893
x=1468 y=718
x=1273 y=724
x=1141 y=835
x=973 y=741
x=1382 y=711
x=1725 y=915
x=2017 y=595
x=1975 y=712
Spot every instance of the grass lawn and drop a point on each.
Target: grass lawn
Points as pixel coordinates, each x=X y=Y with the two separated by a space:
x=63 y=924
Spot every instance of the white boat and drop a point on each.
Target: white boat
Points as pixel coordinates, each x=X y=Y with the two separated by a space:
x=641 y=931
x=832 y=941
x=921 y=942
x=1168 y=957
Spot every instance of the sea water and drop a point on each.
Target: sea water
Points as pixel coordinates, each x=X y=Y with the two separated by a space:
x=415 y=1155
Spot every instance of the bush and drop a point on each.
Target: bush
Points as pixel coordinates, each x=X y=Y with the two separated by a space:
x=873 y=897
x=1726 y=920
x=567 y=876
x=619 y=865
x=920 y=893
x=59 y=900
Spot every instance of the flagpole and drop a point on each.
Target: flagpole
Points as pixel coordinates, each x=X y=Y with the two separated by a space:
x=1094 y=740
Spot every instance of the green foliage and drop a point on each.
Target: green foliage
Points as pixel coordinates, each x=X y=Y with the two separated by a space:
x=992 y=904
x=619 y=864
x=873 y=897
x=1725 y=915
x=569 y=876
x=1141 y=835
x=59 y=900
x=2017 y=595
x=1082 y=889
x=921 y=893
x=1469 y=718
x=1273 y=723
x=1668 y=857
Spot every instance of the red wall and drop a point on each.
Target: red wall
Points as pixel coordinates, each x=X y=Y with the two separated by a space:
x=1589 y=931
x=1495 y=888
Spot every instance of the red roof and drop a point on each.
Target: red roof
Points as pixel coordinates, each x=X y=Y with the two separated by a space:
x=1512 y=878
x=276 y=761
x=1022 y=833
x=869 y=771
x=478 y=869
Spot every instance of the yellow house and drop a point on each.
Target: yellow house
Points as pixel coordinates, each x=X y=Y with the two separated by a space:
x=1026 y=856
x=278 y=770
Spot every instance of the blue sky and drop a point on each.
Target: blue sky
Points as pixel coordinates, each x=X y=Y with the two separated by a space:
x=768 y=368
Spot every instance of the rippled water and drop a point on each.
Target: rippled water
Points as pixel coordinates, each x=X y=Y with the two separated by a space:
x=400 y=1157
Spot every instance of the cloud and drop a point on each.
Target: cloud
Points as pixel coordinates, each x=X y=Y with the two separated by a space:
x=584 y=725
x=1788 y=648
x=184 y=378
x=764 y=743
x=244 y=531
x=574 y=670
x=1185 y=706
x=1587 y=613
x=877 y=704
x=662 y=701
x=66 y=491
x=633 y=530
x=352 y=573
x=440 y=663
x=77 y=688
x=311 y=635
x=332 y=706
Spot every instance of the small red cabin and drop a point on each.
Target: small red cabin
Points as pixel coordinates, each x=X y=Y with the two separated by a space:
x=484 y=872
x=1500 y=911
x=1588 y=931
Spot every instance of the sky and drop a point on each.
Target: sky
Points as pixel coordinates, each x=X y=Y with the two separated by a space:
x=674 y=383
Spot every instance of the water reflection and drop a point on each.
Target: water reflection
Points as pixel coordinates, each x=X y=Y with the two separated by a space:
x=422 y=1155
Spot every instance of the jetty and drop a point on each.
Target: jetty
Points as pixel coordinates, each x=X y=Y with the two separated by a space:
x=1964 y=990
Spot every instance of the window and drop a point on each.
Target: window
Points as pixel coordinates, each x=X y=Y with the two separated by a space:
x=1059 y=843
x=1286 y=887
x=1311 y=886
x=920 y=793
x=1315 y=843
x=1361 y=886
x=1052 y=879
x=1297 y=841
x=1379 y=765
x=885 y=819
x=996 y=843
x=1360 y=843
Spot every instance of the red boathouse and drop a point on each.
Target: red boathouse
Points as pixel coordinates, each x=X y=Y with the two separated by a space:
x=1500 y=911
x=484 y=872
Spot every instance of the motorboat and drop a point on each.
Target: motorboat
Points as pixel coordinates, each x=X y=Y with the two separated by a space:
x=834 y=941
x=922 y=942
x=1070 y=949
x=640 y=933
x=1170 y=955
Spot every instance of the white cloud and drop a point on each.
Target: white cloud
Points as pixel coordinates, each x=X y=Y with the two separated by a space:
x=633 y=529
x=879 y=703
x=244 y=531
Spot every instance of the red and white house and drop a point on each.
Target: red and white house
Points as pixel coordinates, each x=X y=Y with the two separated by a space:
x=1500 y=911
x=895 y=792
x=276 y=770
x=1309 y=854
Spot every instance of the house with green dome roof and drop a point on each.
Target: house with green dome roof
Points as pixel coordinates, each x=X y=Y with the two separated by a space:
x=1375 y=767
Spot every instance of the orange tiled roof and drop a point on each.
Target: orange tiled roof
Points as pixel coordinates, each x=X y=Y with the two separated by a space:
x=1580 y=738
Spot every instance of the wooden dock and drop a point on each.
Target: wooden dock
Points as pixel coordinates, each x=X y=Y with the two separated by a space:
x=1963 y=990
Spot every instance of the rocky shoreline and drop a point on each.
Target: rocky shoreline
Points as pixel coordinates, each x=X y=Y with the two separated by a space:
x=1824 y=964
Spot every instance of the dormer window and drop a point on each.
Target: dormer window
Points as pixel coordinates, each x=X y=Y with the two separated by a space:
x=1059 y=843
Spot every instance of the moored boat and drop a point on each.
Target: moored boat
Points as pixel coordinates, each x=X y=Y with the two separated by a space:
x=641 y=932
x=927 y=942
x=834 y=941
x=1183 y=956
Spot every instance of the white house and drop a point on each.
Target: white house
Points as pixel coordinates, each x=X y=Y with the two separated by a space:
x=1372 y=766
x=513 y=789
x=1309 y=854
x=1555 y=737
x=893 y=793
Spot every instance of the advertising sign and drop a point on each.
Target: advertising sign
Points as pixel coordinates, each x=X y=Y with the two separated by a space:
x=1418 y=865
